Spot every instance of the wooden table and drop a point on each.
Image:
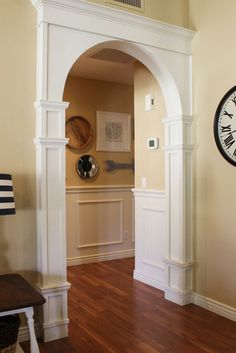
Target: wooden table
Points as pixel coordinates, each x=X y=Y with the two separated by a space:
x=18 y=296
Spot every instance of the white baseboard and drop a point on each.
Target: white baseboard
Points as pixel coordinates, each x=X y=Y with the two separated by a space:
x=216 y=307
x=57 y=330
x=149 y=280
x=178 y=297
x=73 y=261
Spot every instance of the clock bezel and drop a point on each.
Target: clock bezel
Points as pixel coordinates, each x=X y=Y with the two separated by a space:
x=216 y=123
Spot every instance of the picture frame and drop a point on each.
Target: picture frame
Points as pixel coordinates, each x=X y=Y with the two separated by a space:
x=113 y=131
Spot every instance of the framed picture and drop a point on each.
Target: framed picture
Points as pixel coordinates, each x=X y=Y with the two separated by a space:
x=113 y=132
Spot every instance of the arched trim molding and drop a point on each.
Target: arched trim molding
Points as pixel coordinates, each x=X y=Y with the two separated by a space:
x=65 y=30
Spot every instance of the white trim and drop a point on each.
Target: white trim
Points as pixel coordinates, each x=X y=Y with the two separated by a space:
x=84 y=202
x=51 y=105
x=185 y=148
x=177 y=296
x=51 y=141
x=74 y=261
x=149 y=280
x=154 y=265
x=54 y=290
x=121 y=226
x=149 y=193
x=98 y=188
x=214 y=306
x=165 y=50
x=166 y=36
x=171 y=119
x=55 y=330
x=177 y=264
x=94 y=245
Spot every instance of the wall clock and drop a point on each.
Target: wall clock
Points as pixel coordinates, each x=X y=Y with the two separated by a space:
x=225 y=126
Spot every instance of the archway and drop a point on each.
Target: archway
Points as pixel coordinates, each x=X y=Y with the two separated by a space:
x=63 y=35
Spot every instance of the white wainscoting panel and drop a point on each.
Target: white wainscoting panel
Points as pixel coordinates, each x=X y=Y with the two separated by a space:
x=104 y=225
x=100 y=223
x=151 y=237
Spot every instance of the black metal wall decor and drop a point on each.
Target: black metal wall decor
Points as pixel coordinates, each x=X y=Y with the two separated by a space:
x=87 y=166
x=112 y=165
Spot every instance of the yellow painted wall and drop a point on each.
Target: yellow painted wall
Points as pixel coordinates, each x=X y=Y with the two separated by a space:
x=214 y=57
x=86 y=97
x=17 y=150
x=148 y=163
x=171 y=11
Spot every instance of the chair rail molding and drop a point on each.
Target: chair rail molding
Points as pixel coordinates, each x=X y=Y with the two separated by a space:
x=66 y=29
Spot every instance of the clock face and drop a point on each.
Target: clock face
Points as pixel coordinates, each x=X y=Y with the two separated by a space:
x=225 y=126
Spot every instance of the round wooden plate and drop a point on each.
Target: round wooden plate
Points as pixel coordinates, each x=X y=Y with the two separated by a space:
x=79 y=132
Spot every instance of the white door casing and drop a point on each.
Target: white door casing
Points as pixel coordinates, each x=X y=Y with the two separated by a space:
x=65 y=30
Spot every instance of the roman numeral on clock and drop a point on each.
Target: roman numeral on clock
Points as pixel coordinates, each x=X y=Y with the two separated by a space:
x=234 y=154
x=229 y=141
x=228 y=114
x=234 y=100
x=226 y=128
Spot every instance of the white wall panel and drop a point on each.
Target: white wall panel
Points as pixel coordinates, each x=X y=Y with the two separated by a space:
x=151 y=237
x=99 y=223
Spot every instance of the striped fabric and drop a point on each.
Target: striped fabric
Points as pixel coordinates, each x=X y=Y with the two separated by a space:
x=7 y=204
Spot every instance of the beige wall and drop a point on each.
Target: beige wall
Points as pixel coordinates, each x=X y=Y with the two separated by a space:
x=86 y=97
x=214 y=57
x=148 y=163
x=171 y=11
x=17 y=152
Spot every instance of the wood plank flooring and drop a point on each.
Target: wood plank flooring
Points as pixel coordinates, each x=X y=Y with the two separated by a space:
x=112 y=313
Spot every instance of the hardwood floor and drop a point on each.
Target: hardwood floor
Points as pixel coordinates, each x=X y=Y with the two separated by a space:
x=112 y=313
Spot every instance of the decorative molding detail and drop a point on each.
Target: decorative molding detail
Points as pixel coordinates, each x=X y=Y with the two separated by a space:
x=56 y=320
x=165 y=50
x=185 y=148
x=98 y=189
x=183 y=118
x=51 y=105
x=150 y=220
x=216 y=307
x=51 y=142
x=160 y=194
x=149 y=263
x=177 y=264
x=99 y=244
x=177 y=296
x=167 y=36
x=121 y=226
x=74 y=261
x=54 y=290
x=151 y=281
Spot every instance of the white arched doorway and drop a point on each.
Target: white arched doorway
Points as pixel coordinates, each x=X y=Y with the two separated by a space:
x=66 y=29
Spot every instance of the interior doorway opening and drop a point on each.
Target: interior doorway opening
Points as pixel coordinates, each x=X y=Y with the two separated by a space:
x=63 y=36
x=109 y=88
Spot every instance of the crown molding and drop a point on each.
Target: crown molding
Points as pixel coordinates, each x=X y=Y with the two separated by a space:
x=47 y=12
